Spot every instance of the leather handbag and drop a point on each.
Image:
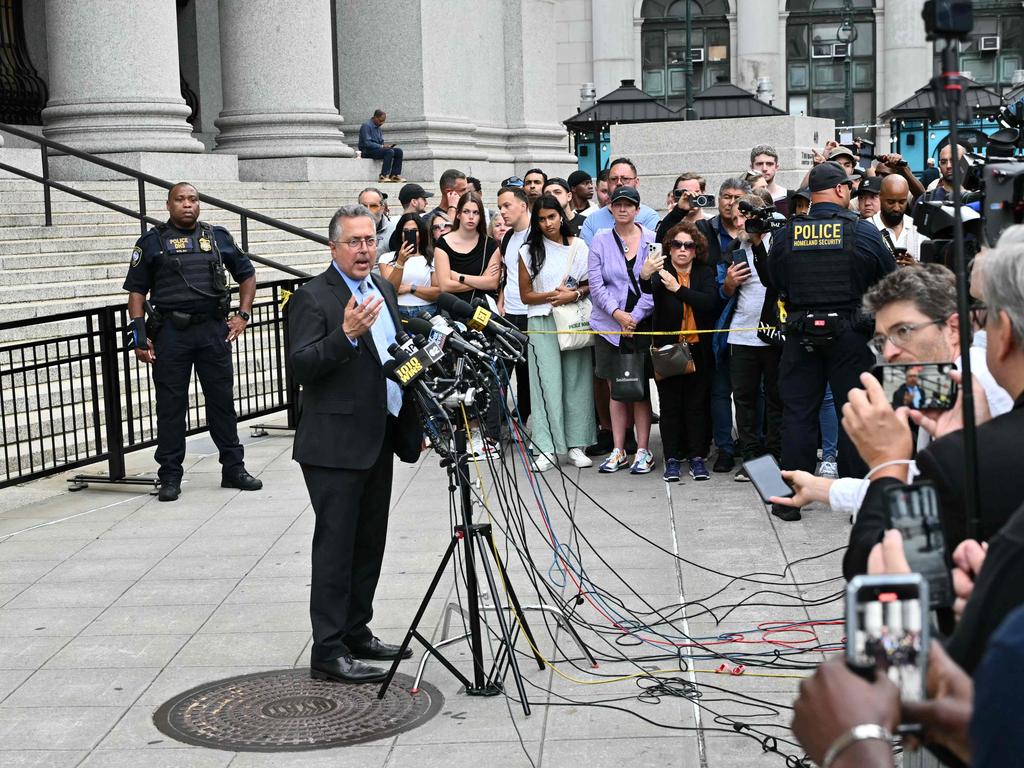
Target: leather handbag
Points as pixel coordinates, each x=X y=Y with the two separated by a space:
x=672 y=360
x=572 y=318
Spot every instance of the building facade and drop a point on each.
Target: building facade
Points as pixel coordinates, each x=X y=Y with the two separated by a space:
x=283 y=85
x=848 y=60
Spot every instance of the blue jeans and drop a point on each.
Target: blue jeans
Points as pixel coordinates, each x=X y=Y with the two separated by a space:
x=392 y=157
x=431 y=309
x=828 y=422
x=721 y=407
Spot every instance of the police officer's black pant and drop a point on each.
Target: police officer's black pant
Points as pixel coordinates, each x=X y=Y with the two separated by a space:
x=802 y=379
x=202 y=345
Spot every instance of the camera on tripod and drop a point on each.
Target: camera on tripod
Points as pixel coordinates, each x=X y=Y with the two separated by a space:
x=761 y=220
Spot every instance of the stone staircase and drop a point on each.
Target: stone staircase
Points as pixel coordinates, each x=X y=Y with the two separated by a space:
x=80 y=263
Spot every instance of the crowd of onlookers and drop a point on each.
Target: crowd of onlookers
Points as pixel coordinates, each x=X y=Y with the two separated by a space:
x=545 y=249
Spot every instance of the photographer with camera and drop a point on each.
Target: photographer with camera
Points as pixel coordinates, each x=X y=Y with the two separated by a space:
x=942 y=187
x=752 y=355
x=688 y=201
x=823 y=263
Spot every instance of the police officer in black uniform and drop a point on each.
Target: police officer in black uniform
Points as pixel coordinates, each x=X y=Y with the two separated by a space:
x=181 y=265
x=823 y=263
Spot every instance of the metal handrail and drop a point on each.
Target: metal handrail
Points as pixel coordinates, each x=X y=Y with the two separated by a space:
x=144 y=178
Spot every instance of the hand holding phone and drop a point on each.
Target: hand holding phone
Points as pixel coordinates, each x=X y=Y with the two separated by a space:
x=654 y=262
x=767 y=478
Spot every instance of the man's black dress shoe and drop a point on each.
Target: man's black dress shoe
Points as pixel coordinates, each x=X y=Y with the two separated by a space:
x=243 y=481
x=345 y=669
x=724 y=463
x=788 y=514
x=377 y=650
x=169 y=490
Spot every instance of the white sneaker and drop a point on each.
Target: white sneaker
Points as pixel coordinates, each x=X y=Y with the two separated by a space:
x=476 y=445
x=579 y=459
x=829 y=469
x=542 y=463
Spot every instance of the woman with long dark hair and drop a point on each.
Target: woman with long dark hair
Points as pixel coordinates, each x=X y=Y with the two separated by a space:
x=685 y=297
x=409 y=266
x=466 y=260
x=553 y=273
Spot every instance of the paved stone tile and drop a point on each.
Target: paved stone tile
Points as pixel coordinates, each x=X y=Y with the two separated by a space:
x=70 y=595
x=374 y=755
x=21 y=571
x=238 y=546
x=82 y=687
x=257 y=590
x=508 y=754
x=30 y=652
x=55 y=728
x=17 y=548
x=84 y=570
x=153 y=757
x=275 y=617
x=203 y=567
x=36 y=622
x=10 y=679
x=135 y=731
x=155 y=591
x=43 y=758
x=116 y=548
x=9 y=592
x=175 y=680
x=119 y=651
x=274 y=649
x=150 y=620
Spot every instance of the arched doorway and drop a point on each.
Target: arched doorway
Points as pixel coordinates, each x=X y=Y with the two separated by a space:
x=663 y=43
x=830 y=69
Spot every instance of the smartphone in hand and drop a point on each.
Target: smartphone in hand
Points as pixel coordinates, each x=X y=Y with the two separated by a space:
x=767 y=478
x=921 y=386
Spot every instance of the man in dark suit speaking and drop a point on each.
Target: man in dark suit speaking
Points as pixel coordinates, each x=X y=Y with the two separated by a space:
x=352 y=419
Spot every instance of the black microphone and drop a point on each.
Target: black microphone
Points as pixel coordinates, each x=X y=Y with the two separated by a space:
x=479 y=319
x=446 y=336
x=410 y=367
x=497 y=318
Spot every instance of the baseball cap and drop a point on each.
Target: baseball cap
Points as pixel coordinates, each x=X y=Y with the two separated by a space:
x=869 y=185
x=558 y=182
x=412 y=192
x=804 y=192
x=841 y=152
x=578 y=177
x=626 y=193
x=827 y=175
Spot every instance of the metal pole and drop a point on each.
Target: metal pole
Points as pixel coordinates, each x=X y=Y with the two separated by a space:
x=688 y=112
x=142 y=206
x=47 y=206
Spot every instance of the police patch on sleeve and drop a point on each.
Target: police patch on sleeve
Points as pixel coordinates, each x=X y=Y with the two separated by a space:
x=136 y=256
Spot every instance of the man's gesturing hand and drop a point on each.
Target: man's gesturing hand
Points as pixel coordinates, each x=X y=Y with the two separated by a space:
x=359 y=317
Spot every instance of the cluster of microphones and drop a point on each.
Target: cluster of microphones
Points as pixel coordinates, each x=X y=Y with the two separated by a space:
x=453 y=360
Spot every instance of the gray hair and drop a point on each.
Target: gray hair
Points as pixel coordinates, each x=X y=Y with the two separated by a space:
x=371 y=189
x=931 y=287
x=1003 y=279
x=739 y=184
x=346 y=212
x=764 y=149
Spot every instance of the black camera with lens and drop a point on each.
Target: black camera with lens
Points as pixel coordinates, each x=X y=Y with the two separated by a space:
x=697 y=201
x=761 y=220
x=949 y=19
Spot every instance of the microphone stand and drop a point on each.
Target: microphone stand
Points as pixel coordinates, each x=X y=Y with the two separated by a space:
x=478 y=547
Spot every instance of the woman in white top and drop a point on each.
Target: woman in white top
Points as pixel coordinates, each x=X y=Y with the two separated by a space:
x=552 y=272
x=409 y=266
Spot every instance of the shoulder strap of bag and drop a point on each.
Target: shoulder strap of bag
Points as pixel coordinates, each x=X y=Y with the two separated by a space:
x=629 y=267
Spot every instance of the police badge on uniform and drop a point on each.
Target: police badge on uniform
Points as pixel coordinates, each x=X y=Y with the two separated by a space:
x=136 y=256
x=205 y=244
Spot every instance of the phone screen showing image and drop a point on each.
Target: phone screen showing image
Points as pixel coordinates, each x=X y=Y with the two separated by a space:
x=921 y=386
x=887 y=629
x=914 y=512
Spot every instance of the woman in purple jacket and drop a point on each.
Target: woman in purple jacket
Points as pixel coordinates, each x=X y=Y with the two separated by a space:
x=619 y=309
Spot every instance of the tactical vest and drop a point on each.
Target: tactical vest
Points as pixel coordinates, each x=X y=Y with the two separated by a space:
x=190 y=269
x=822 y=262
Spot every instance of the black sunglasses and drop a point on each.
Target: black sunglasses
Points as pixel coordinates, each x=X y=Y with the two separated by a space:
x=687 y=244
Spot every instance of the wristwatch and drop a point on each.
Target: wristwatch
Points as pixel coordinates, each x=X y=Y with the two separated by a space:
x=243 y=314
x=462 y=278
x=412 y=288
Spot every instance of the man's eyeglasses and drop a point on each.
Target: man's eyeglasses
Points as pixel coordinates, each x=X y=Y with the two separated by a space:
x=901 y=336
x=355 y=242
x=621 y=179
x=513 y=181
x=687 y=244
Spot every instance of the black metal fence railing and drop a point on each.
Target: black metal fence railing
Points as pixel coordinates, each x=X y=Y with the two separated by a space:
x=76 y=395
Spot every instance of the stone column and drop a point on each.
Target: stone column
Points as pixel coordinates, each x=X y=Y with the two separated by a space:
x=613 y=40
x=757 y=41
x=535 y=137
x=113 y=77
x=278 y=88
x=906 y=57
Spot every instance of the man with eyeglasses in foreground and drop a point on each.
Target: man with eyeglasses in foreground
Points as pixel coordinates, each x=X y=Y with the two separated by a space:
x=352 y=419
x=915 y=322
x=823 y=263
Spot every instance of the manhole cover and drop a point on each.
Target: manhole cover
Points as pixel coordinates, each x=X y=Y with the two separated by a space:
x=285 y=710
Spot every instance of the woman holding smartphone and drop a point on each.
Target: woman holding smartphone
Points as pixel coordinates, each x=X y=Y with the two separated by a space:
x=552 y=273
x=685 y=297
x=409 y=266
x=620 y=308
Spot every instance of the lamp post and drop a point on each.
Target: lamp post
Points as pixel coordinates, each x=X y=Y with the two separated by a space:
x=847 y=33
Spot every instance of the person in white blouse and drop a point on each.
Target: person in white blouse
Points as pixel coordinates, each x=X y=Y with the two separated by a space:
x=409 y=266
x=553 y=272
